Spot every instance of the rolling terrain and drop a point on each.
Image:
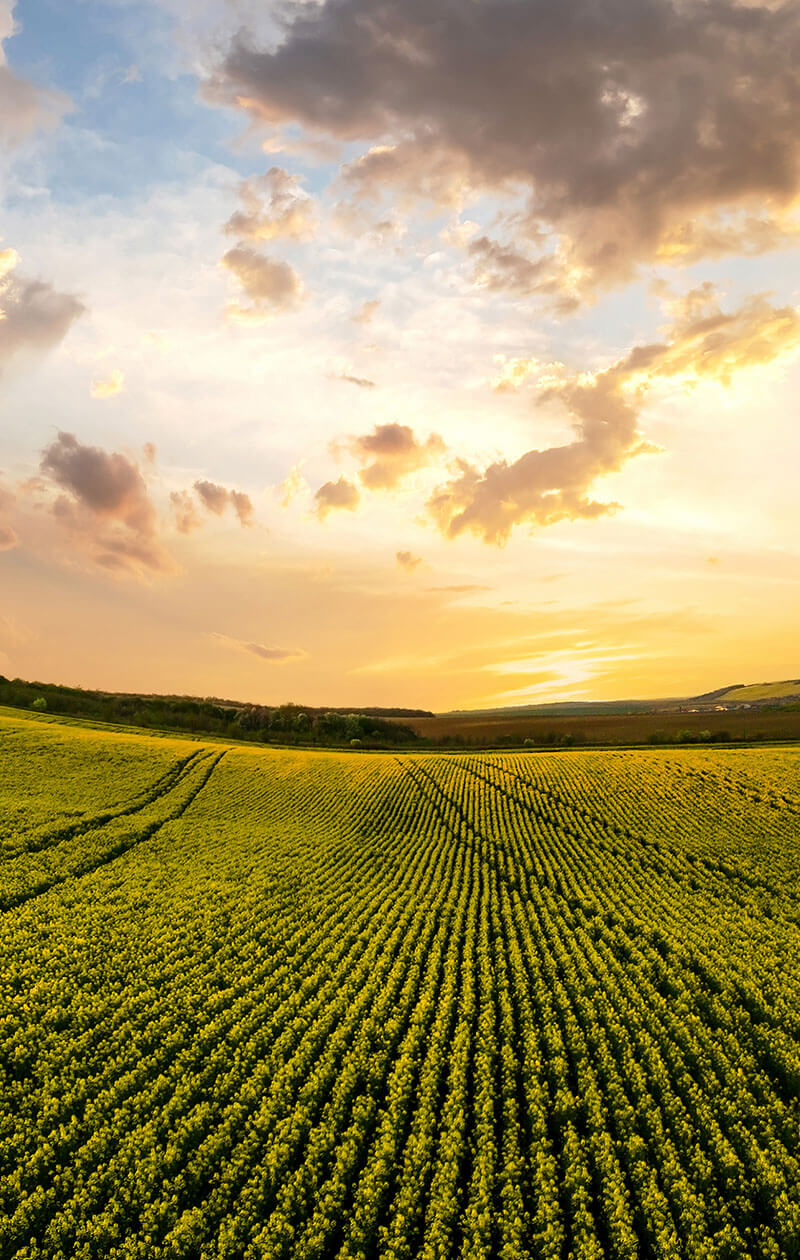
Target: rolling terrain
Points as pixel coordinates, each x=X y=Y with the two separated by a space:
x=286 y=1003
x=755 y=713
x=483 y=730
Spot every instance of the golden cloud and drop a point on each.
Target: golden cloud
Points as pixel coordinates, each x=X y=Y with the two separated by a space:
x=273 y=206
x=339 y=495
x=390 y=453
x=108 y=386
x=546 y=486
x=272 y=285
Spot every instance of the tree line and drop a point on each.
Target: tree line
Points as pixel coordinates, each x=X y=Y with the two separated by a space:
x=285 y=723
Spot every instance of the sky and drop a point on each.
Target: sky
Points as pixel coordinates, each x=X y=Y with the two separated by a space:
x=431 y=354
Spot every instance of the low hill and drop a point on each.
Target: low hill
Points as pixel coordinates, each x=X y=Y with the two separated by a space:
x=758 y=692
x=738 y=693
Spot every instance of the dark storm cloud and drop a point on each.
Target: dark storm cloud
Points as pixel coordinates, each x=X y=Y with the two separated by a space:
x=633 y=129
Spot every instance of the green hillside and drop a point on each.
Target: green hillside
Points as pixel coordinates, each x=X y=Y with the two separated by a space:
x=762 y=691
x=283 y=1003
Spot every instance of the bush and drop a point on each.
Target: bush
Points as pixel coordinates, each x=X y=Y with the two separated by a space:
x=39 y=703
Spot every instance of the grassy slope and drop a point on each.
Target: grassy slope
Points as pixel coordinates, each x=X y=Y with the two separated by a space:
x=261 y=990
x=762 y=691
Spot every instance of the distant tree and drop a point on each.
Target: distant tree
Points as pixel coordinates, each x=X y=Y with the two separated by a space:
x=355 y=743
x=39 y=703
x=253 y=718
x=284 y=716
x=332 y=724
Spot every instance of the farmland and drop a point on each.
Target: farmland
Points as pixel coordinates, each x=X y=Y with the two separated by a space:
x=263 y=1002
x=487 y=729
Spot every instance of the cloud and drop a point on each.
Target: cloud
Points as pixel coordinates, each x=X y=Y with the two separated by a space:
x=621 y=133
x=404 y=173
x=390 y=453
x=7 y=24
x=275 y=655
x=274 y=206
x=8 y=261
x=216 y=499
x=506 y=268
x=463 y=588
x=512 y=373
x=8 y=539
x=33 y=315
x=336 y=496
x=293 y=485
x=408 y=561
x=184 y=509
x=110 y=485
x=546 y=486
x=271 y=285
x=363 y=382
x=105 y=506
x=109 y=386
x=242 y=505
x=366 y=312
x=24 y=107
x=213 y=497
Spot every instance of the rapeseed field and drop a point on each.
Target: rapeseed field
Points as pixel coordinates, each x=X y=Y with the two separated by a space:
x=267 y=1003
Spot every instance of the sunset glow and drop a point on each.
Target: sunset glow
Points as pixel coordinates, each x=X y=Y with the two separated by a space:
x=419 y=354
